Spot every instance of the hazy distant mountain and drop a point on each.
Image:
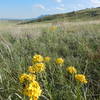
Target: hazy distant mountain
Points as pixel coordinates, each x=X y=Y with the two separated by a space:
x=23 y=19
x=10 y=19
x=41 y=16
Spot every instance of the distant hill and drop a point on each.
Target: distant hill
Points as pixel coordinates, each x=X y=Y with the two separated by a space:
x=81 y=15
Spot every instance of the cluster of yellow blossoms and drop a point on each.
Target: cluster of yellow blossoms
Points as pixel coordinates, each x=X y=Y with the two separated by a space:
x=53 y=28
x=27 y=77
x=71 y=69
x=32 y=90
x=79 y=77
x=37 y=58
x=31 y=86
x=59 y=61
x=38 y=67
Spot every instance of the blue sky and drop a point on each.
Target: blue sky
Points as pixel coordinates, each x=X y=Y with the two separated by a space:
x=33 y=8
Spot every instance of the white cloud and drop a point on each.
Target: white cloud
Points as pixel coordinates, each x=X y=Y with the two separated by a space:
x=59 y=1
x=40 y=6
x=95 y=3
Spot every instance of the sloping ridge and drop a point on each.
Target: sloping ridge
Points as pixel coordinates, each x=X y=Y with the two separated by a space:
x=85 y=14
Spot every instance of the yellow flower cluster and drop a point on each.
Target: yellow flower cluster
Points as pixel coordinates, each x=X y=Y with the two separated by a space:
x=38 y=67
x=32 y=90
x=81 y=78
x=31 y=86
x=71 y=69
x=59 y=61
x=53 y=28
x=37 y=58
x=27 y=77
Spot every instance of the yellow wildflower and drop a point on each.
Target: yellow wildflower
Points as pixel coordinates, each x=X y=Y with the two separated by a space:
x=39 y=67
x=59 y=61
x=27 y=77
x=47 y=59
x=53 y=28
x=71 y=69
x=33 y=90
x=37 y=58
x=81 y=78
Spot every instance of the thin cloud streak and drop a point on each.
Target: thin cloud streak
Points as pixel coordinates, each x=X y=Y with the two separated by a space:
x=40 y=6
x=58 y=1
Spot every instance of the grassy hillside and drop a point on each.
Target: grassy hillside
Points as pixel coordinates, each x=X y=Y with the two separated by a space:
x=82 y=15
x=78 y=43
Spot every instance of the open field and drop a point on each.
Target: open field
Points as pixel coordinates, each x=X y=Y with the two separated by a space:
x=78 y=43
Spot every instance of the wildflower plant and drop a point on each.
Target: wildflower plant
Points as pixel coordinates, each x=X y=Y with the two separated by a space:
x=81 y=78
x=31 y=87
x=59 y=61
x=71 y=69
x=37 y=59
x=38 y=67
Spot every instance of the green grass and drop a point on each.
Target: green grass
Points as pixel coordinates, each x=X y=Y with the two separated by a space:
x=78 y=44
